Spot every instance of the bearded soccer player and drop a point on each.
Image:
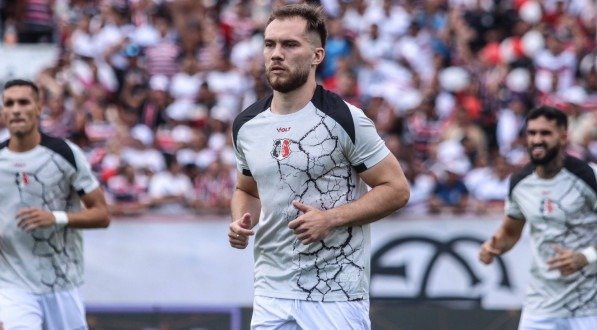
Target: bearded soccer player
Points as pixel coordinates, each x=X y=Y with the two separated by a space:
x=305 y=158
x=557 y=196
x=44 y=180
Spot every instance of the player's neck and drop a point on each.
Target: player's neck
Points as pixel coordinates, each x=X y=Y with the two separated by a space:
x=287 y=103
x=552 y=168
x=24 y=143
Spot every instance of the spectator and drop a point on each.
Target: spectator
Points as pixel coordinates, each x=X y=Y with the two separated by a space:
x=391 y=17
x=112 y=38
x=450 y=193
x=56 y=119
x=185 y=84
x=161 y=57
x=127 y=191
x=91 y=76
x=228 y=83
x=382 y=113
x=488 y=185
x=98 y=128
x=123 y=63
x=426 y=127
x=152 y=112
x=510 y=124
x=170 y=190
x=422 y=184
x=197 y=152
x=373 y=46
x=35 y=21
x=556 y=64
x=353 y=18
x=141 y=156
x=338 y=46
x=582 y=125
x=212 y=189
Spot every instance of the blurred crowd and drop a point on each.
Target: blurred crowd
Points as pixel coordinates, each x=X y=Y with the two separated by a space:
x=149 y=88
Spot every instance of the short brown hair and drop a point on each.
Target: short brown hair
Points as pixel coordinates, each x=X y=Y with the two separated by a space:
x=22 y=82
x=312 y=14
x=550 y=113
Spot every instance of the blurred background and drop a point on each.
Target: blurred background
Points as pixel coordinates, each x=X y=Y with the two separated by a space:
x=149 y=89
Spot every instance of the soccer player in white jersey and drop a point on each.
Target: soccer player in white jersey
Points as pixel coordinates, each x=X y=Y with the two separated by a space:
x=43 y=181
x=557 y=196
x=305 y=158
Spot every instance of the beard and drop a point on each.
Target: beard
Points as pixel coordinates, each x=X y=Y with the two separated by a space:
x=294 y=81
x=20 y=132
x=550 y=154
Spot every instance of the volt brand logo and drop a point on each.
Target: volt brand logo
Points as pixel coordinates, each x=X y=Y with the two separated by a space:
x=283 y=129
x=281 y=149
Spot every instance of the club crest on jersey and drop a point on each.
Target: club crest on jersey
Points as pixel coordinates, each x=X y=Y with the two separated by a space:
x=547 y=206
x=22 y=179
x=281 y=149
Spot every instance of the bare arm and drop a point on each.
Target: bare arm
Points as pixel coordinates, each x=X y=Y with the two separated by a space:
x=389 y=192
x=95 y=214
x=245 y=208
x=502 y=240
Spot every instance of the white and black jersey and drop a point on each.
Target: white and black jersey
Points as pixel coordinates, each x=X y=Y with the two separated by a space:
x=560 y=211
x=313 y=156
x=51 y=176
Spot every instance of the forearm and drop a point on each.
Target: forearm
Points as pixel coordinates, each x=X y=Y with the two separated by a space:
x=376 y=204
x=243 y=202
x=95 y=217
x=506 y=239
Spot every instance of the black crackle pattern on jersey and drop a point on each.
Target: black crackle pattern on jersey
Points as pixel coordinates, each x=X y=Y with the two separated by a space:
x=330 y=266
x=46 y=188
x=569 y=202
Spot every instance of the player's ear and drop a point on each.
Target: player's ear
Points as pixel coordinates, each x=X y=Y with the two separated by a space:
x=38 y=107
x=563 y=135
x=318 y=56
x=37 y=102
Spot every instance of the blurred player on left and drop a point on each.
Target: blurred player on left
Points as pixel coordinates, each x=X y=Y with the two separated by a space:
x=42 y=183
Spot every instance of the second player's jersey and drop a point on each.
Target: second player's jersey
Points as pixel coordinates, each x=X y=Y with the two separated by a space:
x=313 y=156
x=51 y=176
x=560 y=211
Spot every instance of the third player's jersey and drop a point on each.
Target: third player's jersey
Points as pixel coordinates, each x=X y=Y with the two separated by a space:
x=51 y=176
x=313 y=156
x=560 y=211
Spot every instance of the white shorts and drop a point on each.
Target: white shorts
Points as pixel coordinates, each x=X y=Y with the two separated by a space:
x=287 y=314
x=63 y=310
x=534 y=322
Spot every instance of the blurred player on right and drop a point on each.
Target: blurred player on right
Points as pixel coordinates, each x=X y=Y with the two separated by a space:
x=557 y=195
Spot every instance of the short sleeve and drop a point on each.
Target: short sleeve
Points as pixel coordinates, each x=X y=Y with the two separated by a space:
x=512 y=209
x=368 y=148
x=241 y=162
x=83 y=180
